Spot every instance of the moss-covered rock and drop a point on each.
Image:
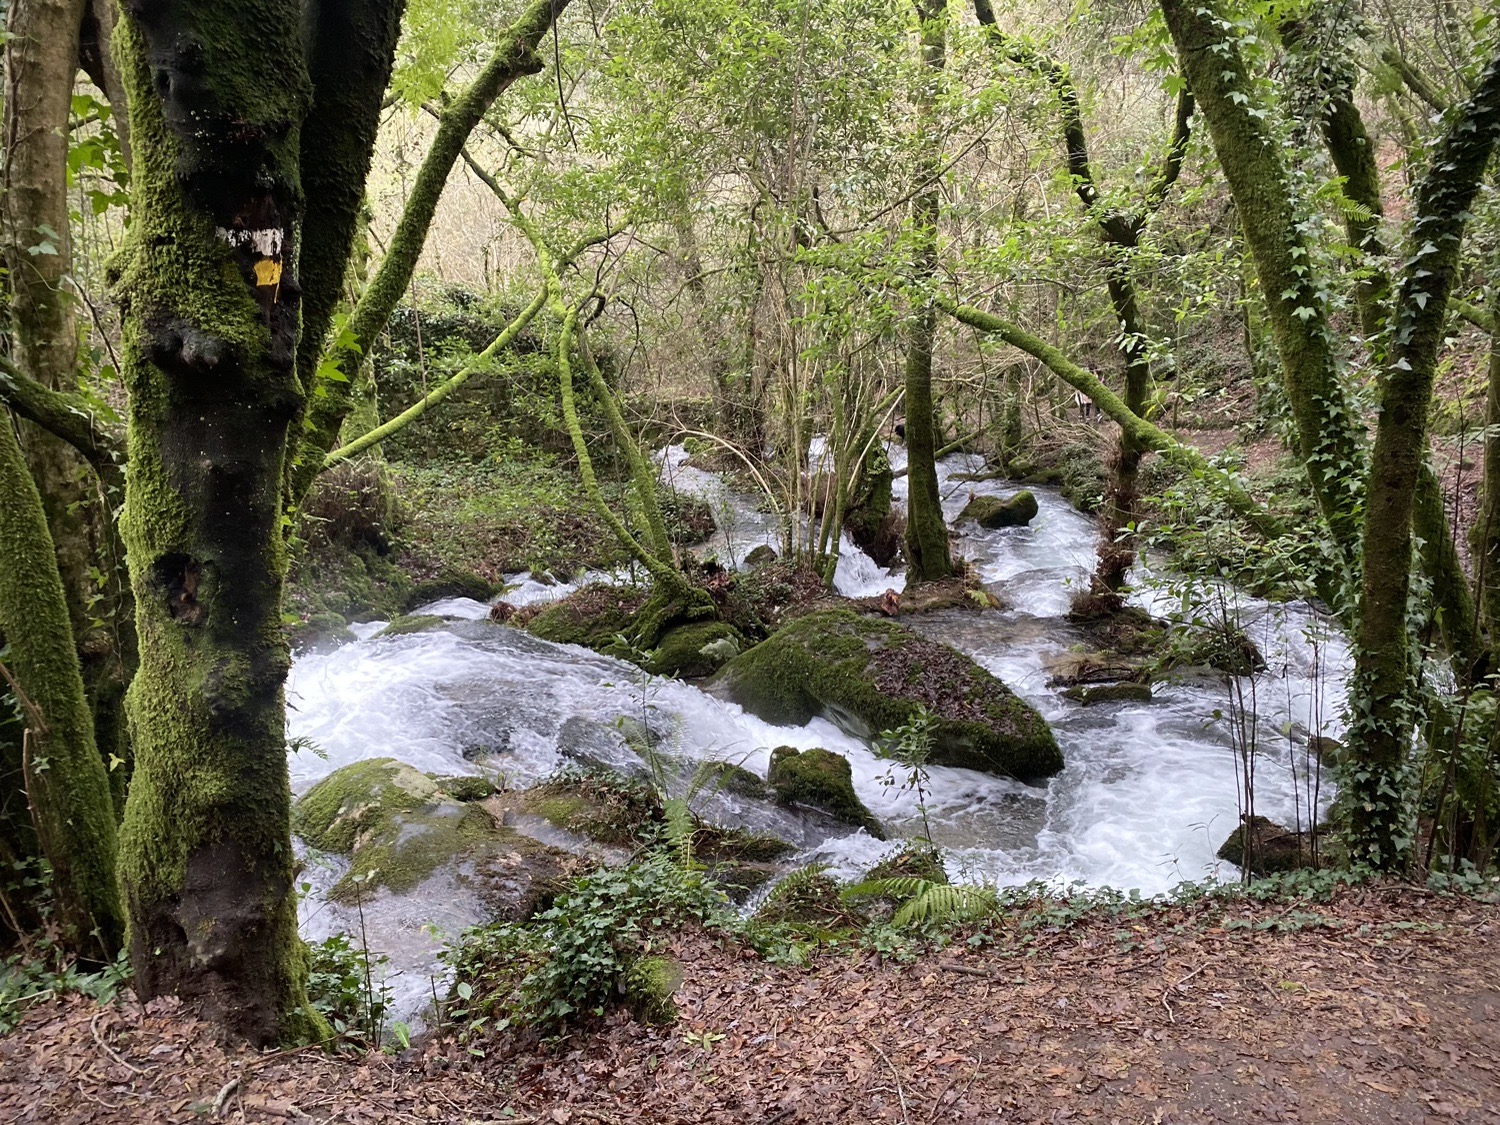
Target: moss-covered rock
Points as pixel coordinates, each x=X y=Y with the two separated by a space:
x=594 y=617
x=992 y=512
x=760 y=556
x=1272 y=847
x=605 y=807
x=650 y=984
x=823 y=780
x=1122 y=692
x=871 y=676
x=694 y=650
x=809 y=899
x=451 y=583
x=396 y=825
x=464 y=788
x=321 y=631
x=418 y=623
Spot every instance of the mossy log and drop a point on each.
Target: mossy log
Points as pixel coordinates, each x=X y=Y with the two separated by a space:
x=871 y=676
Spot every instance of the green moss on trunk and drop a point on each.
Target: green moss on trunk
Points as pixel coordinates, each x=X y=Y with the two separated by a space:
x=208 y=292
x=71 y=807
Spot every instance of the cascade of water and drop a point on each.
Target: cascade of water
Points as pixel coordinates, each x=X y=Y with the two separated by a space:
x=1148 y=793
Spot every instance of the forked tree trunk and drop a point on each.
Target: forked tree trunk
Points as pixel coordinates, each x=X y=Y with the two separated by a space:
x=218 y=94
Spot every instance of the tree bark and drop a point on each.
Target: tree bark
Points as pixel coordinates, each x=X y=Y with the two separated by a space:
x=927 y=554
x=1380 y=733
x=1328 y=438
x=218 y=93
x=71 y=808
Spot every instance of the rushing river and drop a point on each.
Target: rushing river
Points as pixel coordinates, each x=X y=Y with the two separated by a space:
x=1149 y=792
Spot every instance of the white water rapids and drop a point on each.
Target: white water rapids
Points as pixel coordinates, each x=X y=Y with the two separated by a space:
x=1148 y=794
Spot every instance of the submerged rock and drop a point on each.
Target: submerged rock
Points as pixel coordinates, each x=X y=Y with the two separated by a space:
x=992 y=512
x=399 y=826
x=421 y=623
x=1121 y=692
x=823 y=780
x=870 y=676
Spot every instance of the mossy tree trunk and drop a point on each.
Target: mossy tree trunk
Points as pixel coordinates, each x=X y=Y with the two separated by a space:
x=927 y=553
x=219 y=93
x=72 y=813
x=41 y=62
x=1380 y=733
x=1486 y=535
x=1328 y=438
x=1121 y=233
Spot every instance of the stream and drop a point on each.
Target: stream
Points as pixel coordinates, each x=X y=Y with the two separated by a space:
x=1148 y=794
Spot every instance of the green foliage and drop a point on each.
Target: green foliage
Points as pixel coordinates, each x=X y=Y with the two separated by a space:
x=576 y=959
x=45 y=971
x=342 y=988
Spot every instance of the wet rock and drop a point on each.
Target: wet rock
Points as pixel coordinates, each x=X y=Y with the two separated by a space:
x=450 y=584
x=404 y=625
x=991 y=512
x=823 y=780
x=1121 y=692
x=870 y=676
x=602 y=806
x=594 y=617
x=695 y=650
x=399 y=827
x=601 y=747
x=1272 y=847
x=1325 y=749
x=761 y=555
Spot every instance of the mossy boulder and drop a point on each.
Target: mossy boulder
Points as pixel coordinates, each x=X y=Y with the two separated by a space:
x=321 y=631
x=695 y=650
x=809 y=899
x=871 y=675
x=992 y=512
x=760 y=556
x=823 y=780
x=408 y=623
x=451 y=584
x=594 y=617
x=1122 y=692
x=1272 y=847
x=602 y=806
x=650 y=984
x=396 y=825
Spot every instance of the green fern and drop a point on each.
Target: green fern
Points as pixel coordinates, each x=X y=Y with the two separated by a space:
x=679 y=830
x=926 y=902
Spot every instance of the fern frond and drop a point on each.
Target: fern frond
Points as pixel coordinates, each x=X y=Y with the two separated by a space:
x=679 y=830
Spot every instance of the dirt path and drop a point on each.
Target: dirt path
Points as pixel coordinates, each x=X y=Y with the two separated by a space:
x=1382 y=1008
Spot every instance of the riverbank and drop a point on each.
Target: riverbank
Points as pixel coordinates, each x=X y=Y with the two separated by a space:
x=1380 y=1005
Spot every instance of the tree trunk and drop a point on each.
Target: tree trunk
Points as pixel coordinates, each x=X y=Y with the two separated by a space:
x=41 y=63
x=1328 y=438
x=218 y=93
x=515 y=57
x=927 y=552
x=1380 y=732
x=71 y=810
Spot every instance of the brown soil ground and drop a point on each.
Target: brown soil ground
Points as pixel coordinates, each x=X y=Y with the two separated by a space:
x=1381 y=1007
